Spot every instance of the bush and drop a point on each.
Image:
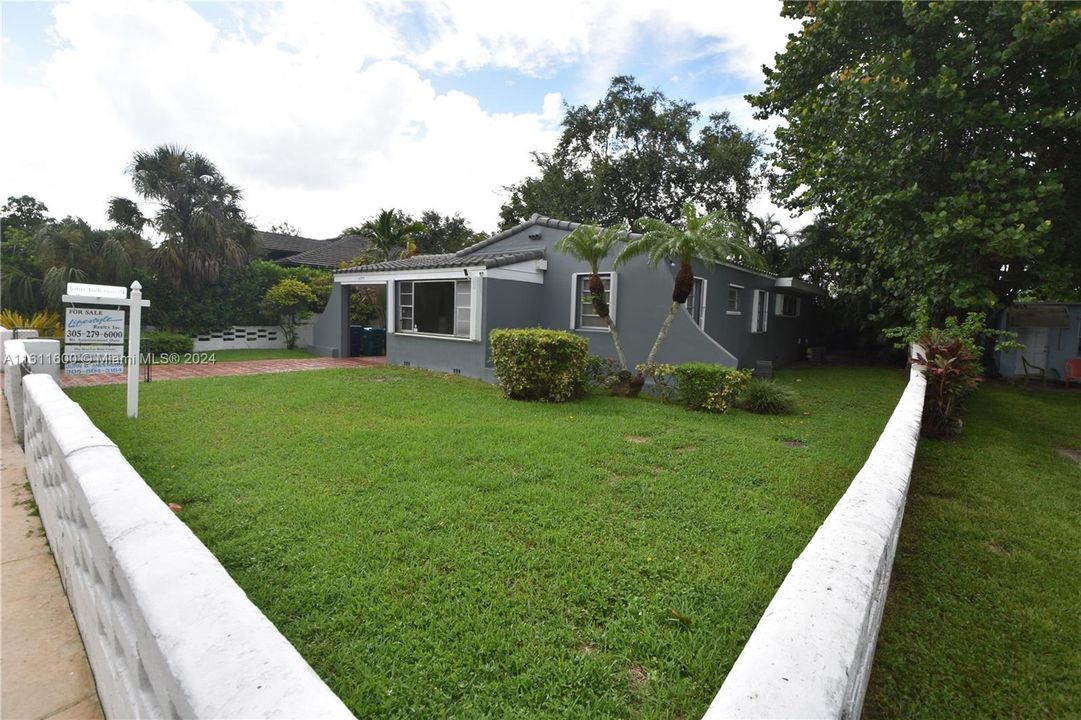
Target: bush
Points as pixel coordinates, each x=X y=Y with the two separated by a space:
x=538 y=364
x=601 y=372
x=287 y=304
x=663 y=377
x=708 y=387
x=162 y=342
x=767 y=397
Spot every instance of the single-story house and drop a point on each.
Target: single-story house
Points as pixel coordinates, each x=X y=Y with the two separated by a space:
x=295 y=250
x=442 y=308
x=1050 y=333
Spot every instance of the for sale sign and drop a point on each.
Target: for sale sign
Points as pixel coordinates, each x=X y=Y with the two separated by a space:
x=91 y=325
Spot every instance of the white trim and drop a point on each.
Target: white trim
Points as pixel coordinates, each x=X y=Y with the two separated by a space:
x=739 y=300
x=778 y=305
x=393 y=276
x=613 y=282
x=760 y=296
x=531 y=271
x=701 y=322
x=436 y=336
x=475 y=295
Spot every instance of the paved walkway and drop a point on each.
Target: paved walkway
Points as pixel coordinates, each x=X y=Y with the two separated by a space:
x=43 y=668
x=222 y=369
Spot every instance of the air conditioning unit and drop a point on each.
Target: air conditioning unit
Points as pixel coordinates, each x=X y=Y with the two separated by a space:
x=763 y=369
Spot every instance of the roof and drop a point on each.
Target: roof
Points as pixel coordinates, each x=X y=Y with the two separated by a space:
x=280 y=242
x=330 y=253
x=450 y=260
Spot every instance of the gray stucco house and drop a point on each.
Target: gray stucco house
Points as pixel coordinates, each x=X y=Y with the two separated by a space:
x=1050 y=333
x=442 y=307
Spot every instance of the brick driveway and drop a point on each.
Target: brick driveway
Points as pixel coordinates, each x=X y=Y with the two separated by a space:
x=222 y=369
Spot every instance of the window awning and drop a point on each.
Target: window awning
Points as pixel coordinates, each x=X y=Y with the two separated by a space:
x=1039 y=316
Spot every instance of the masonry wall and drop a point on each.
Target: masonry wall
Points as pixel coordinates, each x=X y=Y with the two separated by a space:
x=167 y=631
x=810 y=655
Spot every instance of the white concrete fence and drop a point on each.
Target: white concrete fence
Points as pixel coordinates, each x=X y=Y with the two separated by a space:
x=810 y=655
x=19 y=356
x=250 y=337
x=168 y=633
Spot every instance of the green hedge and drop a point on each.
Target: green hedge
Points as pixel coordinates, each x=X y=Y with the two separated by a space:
x=712 y=388
x=767 y=397
x=538 y=364
x=166 y=342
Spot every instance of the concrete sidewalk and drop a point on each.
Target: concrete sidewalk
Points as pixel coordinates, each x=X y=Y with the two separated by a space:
x=43 y=667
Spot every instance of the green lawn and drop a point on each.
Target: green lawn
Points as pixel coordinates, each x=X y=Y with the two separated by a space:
x=433 y=549
x=983 y=617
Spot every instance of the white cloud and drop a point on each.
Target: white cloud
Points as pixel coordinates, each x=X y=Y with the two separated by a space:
x=323 y=111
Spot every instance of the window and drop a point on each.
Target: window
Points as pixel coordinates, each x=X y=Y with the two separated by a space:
x=435 y=307
x=735 y=299
x=696 y=302
x=787 y=305
x=760 y=311
x=585 y=317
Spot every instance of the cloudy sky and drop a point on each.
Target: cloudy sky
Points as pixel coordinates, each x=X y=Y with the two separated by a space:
x=324 y=112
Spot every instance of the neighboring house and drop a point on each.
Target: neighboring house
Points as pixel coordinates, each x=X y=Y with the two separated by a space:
x=296 y=250
x=1050 y=334
x=443 y=307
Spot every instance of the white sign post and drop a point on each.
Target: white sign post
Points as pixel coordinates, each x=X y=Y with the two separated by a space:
x=104 y=327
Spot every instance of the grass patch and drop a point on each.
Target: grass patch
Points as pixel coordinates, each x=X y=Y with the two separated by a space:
x=433 y=549
x=982 y=615
x=241 y=355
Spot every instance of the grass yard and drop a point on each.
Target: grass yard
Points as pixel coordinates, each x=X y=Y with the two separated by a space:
x=982 y=617
x=435 y=550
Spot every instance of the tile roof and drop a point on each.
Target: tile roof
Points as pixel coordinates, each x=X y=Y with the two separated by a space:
x=330 y=253
x=450 y=260
x=280 y=242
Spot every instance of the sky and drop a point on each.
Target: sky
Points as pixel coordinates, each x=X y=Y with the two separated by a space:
x=325 y=112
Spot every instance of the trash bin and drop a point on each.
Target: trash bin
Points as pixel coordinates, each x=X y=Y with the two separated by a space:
x=356 y=340
x=375 y=341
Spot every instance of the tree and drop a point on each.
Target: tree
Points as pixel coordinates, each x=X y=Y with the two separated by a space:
x=765 y=236
x=443 y=233
x=388 y=232
x=284 y=228
x=72 y=251
x=635 y=154
x=590 y=245
x=941 y=143
x=25 y=213
x=288 y=303
x=198 y=215
x=713 y=237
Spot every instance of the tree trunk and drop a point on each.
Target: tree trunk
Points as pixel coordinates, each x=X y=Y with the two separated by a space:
x=617 y=342
x=665 y=327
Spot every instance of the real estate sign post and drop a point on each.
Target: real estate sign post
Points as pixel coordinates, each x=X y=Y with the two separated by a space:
x=98 y=333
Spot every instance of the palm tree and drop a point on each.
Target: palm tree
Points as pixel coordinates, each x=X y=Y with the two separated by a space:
x=387 y=231
x=764 y=235
x=714 y=237
x=72 y=251
x=198 y=215
x=591 y=244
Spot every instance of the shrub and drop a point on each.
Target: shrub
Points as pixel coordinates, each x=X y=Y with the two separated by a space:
x=663 y=377
x=767 y=397
x=162 y=342
x=708 y=387
x=601 y=372
x=46 y=323
x=538 y=364
x=287 y=304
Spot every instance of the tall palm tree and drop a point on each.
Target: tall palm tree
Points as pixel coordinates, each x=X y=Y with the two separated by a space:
x=198 y=214
x=714 y=237
x=389 y=230
x=71 y=250
x=764 y=235
x=591 y=244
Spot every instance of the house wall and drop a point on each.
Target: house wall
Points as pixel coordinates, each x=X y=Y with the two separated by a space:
x=330 y=329
x=1062 y=344
x=442 y=354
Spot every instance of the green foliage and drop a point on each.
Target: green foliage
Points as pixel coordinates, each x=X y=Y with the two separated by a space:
x=637 y=153
x=950 y=355
x=663 y=376
x=767 y=397
x=46 y=323
x=443 y=233
x=714 y=236
x=287 y=303
x=25 y=213
x=539 y=364
x=940 y=140
x=547 y=541
x=161 y=342
x=709 y=387
x=20 y=274
x=389 y=232
x=199 y=216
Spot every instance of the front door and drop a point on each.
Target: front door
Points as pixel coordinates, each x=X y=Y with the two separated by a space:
x=1035 y=351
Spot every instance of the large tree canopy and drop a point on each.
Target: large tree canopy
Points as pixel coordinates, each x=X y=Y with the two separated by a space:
x=941 y=142
x=636 y=154
x=198 y=215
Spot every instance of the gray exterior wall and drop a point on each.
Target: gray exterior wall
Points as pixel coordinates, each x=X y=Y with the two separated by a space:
x=642 y=299
x=1062 y=344
x=330 y=331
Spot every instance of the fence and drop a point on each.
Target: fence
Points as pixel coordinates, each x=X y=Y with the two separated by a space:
x=810 y=655
x=167 y=631
x=250 y=337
